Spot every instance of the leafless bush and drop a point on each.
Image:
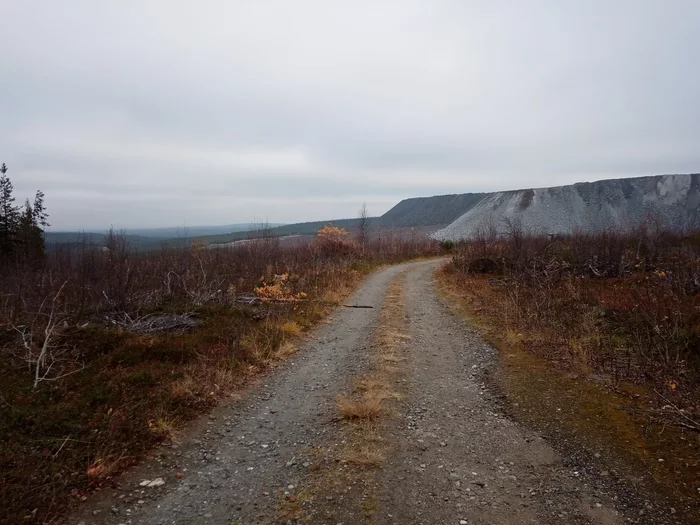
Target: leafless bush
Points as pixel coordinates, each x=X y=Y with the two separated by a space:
x=486 y=235
x=152 y=323
x=86 y=282
x=42 y=350
x=363 y=227
x=635 y=293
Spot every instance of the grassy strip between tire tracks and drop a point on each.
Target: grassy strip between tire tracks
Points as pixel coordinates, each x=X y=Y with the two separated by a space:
x=346 y=470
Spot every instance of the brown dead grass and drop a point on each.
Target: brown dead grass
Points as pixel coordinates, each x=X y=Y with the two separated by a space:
x=285 y=349
x=365 y=456
x=140 y=390
x=291 y=329
x=369 y=403
x=163 y=428
x=53 y=435
x=367 y=408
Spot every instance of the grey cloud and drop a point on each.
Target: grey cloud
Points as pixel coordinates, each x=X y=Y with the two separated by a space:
x=155 y=112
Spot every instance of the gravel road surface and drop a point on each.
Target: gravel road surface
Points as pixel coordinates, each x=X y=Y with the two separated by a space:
x=455 y=458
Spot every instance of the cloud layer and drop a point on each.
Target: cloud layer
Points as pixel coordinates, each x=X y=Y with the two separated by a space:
x=154 y=113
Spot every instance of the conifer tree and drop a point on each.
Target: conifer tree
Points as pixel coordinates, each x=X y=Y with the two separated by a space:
x=21 y=230
x=30 y=235
x=39 y=211
x=9 y=215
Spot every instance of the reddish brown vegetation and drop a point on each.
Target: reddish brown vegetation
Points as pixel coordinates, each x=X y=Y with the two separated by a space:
x=112 y=382
x=627 y=305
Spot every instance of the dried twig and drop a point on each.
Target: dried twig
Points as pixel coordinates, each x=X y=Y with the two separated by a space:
x=61 y=448
x=148 y=324
x=694 y=424
x=48 y=335
x=357 y=306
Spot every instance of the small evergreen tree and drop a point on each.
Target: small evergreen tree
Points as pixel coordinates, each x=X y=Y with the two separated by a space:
x=9 y=215
x=21 y=230
x=39 y=211
x=30 y=234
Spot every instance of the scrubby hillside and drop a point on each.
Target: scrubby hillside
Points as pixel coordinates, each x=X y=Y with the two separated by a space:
x=671 y=201
x=430 y=211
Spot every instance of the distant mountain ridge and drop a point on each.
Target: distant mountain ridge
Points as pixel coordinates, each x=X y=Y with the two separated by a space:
x=430 y=211
x=670 y=200
x=159 y=233
x=146 y=239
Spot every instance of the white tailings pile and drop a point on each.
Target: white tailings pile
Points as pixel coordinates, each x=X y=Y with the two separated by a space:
x=671 y=201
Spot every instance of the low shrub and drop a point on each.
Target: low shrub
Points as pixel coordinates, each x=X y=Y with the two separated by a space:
x=624 y=303
x=97 y=363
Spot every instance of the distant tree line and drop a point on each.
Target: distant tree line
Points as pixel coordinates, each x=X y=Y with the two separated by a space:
x=21 y=227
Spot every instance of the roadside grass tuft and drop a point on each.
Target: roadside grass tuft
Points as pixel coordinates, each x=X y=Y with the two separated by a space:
x=368 y=407
x=364 y=456
x=163 y=428
x=291 y=329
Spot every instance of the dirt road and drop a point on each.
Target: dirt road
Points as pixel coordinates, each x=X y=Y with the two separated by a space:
x=449 y=454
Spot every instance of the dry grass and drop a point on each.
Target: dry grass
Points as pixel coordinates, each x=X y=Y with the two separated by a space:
x=365 y=413
x=133 y=387
x=367 y=408
x=285 y=349
x=374 y=384
x=332 y=297
x=185 y=387
x=204 y=378
x=389 y=338
x=291 y=329
x=163 y=428
x=104 y=467
x=370 y=404
x=365 y=456
x=371 y=383
x=604 y=411
x=623 y=304
x=340 y=289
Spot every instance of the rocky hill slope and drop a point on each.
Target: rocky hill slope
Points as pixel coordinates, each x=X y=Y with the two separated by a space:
x=430 y=211
x=670 y=200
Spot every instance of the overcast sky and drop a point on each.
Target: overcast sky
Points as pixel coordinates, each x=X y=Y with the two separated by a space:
x=158 y=113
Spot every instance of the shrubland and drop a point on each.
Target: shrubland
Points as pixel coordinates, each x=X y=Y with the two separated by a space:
x=622 y=304
x=106 y=352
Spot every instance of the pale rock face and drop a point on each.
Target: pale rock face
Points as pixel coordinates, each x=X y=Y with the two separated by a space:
x=672 y=201
x=672 y=188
